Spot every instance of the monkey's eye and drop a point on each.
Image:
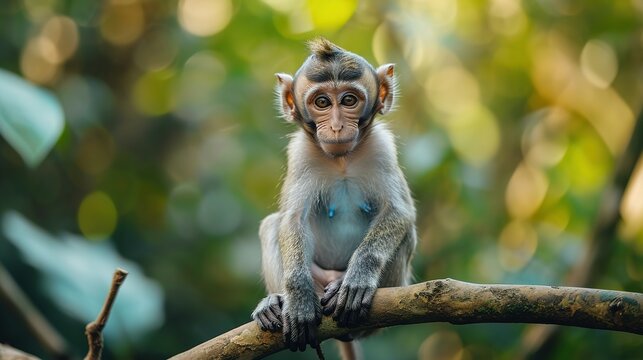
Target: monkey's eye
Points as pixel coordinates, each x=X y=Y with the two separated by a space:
x=322 y=102
x=349 y=100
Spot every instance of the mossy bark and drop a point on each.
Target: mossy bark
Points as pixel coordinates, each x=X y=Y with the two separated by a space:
x=456 y=302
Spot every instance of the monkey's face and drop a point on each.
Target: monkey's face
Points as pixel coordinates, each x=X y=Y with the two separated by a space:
x=334 y=96
x=335 y=110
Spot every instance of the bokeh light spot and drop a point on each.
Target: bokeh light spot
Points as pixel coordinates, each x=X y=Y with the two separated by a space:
x=423 y=153
x=526 y=191
x=43 y=54
x=441 y=345
x=586 y=163
x=153 y=92
x=37 y=10
x=452 y=90
x=201 y=78
x=122 y=22
x=61 y=33
x=283 y=6
x=328 y=15
x=475 y=135
x=219 y=213
x=598 y=63
x=441 y=14
x=204 y=17
x=507 y=17
x=632 y=205
x=97 y=216
x=156 y=50
x=517 y=244
x=35 y=63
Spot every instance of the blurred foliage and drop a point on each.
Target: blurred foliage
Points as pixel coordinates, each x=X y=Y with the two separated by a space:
x=31 y=119
x=511 y=119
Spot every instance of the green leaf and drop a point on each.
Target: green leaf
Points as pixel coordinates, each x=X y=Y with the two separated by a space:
x=31 y=118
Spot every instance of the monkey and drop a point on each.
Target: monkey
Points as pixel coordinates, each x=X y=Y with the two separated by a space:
x=346 y=219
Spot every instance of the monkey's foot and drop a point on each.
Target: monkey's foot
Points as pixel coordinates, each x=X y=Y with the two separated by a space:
x=268 y=313
x=348 y=304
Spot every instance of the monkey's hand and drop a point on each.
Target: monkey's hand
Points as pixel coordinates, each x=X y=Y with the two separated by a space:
x=268 y=313
x=301 y=316
x=348 y=301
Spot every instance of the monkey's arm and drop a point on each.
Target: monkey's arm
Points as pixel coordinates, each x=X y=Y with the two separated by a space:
x=301 y=312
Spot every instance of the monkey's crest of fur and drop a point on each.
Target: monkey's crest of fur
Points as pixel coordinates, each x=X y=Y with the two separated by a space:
x=324 y=49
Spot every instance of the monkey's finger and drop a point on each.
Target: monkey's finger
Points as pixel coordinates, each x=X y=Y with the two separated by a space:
x=347 y=314
x=367 y=301
x=273 y=318
x=342 y=298
x=264 y=324
x=355 y=306
x=343 y=310
x=329 y=308
x=330 y=291
x=276 y=310
x=357 y=299
x=327 y=297
x=288 y=334
x=302 y=335
x=312 y=336
x=342 y=320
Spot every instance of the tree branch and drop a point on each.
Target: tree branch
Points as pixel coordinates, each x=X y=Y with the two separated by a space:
x=46 y=335
x=9 y=353
x=94 y=330
x=456 y=302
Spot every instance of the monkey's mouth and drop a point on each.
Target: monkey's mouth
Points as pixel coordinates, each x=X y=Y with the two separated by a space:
x=337 y=148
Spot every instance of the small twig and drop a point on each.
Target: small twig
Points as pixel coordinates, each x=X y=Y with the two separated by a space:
x=94 y=330
x=53 y=343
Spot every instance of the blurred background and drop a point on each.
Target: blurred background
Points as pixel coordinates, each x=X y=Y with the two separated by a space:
x=168 y=152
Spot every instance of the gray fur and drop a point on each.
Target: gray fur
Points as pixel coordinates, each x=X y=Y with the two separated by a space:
x=345 y=225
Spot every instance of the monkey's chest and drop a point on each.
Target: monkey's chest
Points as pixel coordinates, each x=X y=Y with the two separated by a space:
x=339 y=224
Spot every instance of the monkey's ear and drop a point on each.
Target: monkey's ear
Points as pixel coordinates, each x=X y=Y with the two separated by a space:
x=285 y=97
x=388 y=87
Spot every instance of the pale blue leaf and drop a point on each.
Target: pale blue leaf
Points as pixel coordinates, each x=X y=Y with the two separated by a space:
x=77 y=276
x=31 y=118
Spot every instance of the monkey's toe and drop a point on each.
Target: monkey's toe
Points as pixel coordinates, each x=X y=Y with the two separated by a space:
x=267 y=314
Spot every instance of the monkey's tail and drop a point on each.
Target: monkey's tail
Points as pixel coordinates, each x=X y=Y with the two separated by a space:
x=320 y=353
x=349 y=350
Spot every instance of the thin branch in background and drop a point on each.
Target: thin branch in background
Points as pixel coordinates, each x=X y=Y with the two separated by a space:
x=46 y=335
x=94 y=330
x=456 y=302
x=9 y=353
x=539 y=341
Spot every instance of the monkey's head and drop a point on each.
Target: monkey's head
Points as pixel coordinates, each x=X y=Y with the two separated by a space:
x=335 y=96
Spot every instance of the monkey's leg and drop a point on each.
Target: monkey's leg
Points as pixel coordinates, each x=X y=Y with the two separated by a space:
x=322 y=277
x=268 y=312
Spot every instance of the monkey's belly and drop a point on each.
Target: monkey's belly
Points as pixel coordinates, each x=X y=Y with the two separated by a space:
x=339 y=225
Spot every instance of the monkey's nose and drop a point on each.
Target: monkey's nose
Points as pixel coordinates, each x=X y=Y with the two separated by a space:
x=337 y=127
